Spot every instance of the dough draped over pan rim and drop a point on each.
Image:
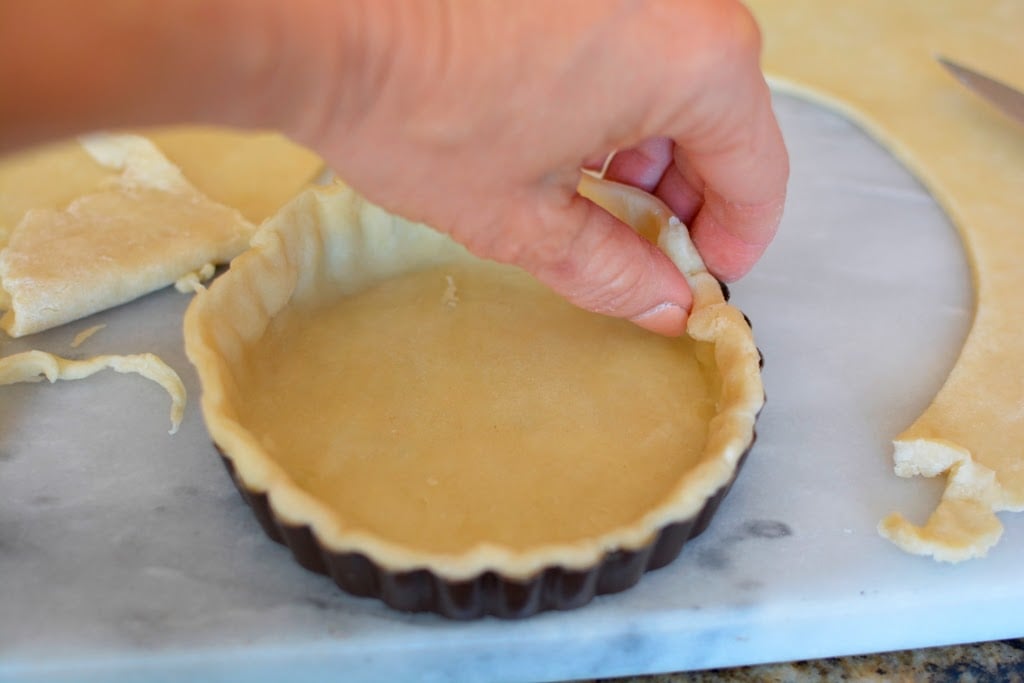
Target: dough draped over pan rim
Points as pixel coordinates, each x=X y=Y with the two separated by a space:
x=331 y=243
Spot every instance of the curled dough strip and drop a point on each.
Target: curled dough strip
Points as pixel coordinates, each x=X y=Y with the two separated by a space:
x=711 y=319
x=33 y=366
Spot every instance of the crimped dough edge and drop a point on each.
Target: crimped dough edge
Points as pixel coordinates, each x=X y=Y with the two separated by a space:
x=331 y=242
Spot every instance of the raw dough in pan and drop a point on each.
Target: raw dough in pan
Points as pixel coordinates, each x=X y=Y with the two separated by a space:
x=430 y=410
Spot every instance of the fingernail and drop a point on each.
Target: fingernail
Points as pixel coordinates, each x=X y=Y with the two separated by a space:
x=667 y=318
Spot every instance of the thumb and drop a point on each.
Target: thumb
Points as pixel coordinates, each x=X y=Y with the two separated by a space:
x=603 y=265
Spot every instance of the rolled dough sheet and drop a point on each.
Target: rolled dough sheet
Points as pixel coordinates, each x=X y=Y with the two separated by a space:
x=139 y=230
x=874 y=61
x=47 y=177
x=254 y=172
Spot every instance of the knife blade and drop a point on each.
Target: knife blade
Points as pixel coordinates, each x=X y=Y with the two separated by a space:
x=1007 y=99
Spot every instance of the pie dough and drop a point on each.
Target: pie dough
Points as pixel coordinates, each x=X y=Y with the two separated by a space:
x=412 y=403
x=406 y=442
x=210 y=173
x=34 y=366
x=137 y=232
x=874 y=61
x=85 y=335
x=48 y=177
x=254 y=172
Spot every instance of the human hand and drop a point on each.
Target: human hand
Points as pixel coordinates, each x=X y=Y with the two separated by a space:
x=477 y=117
x=473 y=116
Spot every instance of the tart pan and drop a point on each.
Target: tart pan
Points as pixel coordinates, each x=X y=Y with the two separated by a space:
x=325 y=242
x=488 y=594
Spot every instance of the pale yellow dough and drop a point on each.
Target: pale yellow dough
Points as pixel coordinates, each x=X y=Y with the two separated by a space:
x=85 y=335
x=176 y=201
x=874 y=60
x=48 y=177
x=412 y=403
x=34 y=366
x=139 y=231
x=254 y=172
x=432 y=427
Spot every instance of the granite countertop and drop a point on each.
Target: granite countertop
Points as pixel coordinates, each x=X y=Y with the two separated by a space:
x=993 y=661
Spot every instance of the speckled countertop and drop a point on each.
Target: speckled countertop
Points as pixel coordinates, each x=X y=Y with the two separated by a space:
x=995 y=661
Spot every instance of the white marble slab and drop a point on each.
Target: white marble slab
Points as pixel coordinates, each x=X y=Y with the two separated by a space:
x=125 y=553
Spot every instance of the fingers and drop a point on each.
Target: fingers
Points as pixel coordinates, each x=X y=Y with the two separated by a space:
x=744 y=170
x=731 y=222
x=641 y=166
x=681 y=189
x=723 y=169
x=602 y=265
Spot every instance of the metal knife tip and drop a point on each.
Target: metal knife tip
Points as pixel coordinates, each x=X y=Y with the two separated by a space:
x=952 y=67
x=1003 y=96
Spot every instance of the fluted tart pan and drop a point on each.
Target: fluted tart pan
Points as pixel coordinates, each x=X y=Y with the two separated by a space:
x=445 y=435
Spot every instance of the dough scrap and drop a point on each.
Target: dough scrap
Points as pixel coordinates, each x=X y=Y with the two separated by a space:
x=253 y=172
x=190 y=283
x=140 y=231
x=874 y=61
x=33 y=366
x=47 y=177
x=85 y=335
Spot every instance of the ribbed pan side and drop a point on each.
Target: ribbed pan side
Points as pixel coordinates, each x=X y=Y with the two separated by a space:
x=554 y=588
x=489 y=593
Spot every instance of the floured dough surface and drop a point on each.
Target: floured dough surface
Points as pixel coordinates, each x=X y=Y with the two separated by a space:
x=874 y=60
x=141 y=230
x=254 y=172
x=466 y=404
x=49 y=177
x=117 y=219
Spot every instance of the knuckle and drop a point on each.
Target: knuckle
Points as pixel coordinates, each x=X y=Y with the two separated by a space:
x=492 y=244
x=746 y=33
x=737 y=36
